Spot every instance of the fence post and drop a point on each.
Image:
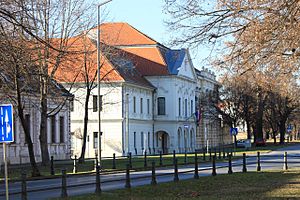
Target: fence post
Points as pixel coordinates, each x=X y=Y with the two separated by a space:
x=75 y=165
x=219 y=153
x=160 y=159
x=127 y=184
x=214 y=173
x=174 y=156
x=114 y=161
x=224 y=153
x=153 y=181
x=209 y=154
x=96 y=162
x=98 y=183
x=244 y=163
x=176 y=178
x=185 y=158
x=196 y=175
x=64 y=193
x=145 y=159
x=215 y=153
x=204 y=152
x=285 y=162
x=24 y=186
x=258 y=161
x=52 y=166
x=229 y=165
x=130 y=160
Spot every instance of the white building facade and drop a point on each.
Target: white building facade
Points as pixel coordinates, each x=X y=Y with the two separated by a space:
x=150 y=108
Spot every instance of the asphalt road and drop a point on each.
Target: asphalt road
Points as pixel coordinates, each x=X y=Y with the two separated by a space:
x=271 y=161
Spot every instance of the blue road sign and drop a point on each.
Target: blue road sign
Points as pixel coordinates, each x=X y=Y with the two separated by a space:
x=6 y=123
x=233 y=131
x=289 y=128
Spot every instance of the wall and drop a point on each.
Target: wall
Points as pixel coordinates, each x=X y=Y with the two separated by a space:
x=17 y=152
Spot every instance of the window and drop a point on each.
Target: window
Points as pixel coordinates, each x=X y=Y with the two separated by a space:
x=72 y=105
x=185 y=107
x=161 y=106
x=27 y=121
x=134 y=139
x=148 y=139
x=101 y=102
x=142 y=140
x=27 y=125
x=192 y=107
x=61 y=129
x=148 y=106
x=141 y=105
x=179 y=107
x=134 y=104
x=95 y=142
x=53 y=129
x=95 y=103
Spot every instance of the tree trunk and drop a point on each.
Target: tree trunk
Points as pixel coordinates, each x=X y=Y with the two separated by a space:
x=248 y=129
x=259 y=119
x=34 y=167
x=85 y=121
x=254 y=132
x=274 y=136
x=282 y=132
x=43 y=124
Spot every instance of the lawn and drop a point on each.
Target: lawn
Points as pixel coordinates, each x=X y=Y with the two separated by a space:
x=254 y=185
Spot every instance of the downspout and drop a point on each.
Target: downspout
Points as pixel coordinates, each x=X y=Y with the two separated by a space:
x=123 y=120
x=153 y=134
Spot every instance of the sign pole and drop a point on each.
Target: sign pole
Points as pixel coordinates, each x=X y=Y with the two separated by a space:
x=5 y=169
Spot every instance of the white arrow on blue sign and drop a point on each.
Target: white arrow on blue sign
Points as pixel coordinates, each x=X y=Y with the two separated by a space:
x=233 y=131
x=6 y=123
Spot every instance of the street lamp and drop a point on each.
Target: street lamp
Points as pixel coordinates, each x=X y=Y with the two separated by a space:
x=99 y=79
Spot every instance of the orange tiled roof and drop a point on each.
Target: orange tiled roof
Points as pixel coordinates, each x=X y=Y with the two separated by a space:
x=113 y=68
x=118 y=34
x=74 y=66
x=150 y=53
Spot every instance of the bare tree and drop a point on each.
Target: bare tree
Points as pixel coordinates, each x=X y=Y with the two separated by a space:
x=17 y=80
x=47 y=25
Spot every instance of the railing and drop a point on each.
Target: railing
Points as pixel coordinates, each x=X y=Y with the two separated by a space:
x=259 y=159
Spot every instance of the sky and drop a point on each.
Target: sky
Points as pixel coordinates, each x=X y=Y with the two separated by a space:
x=148 y=17
x=144 y=15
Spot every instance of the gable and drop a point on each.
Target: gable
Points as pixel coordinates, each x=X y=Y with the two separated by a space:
x=186 y=68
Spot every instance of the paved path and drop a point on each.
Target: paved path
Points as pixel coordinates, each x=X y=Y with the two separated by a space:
x=117 y=181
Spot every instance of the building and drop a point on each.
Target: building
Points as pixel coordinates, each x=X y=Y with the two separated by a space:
x=211 y=132
x=147 y=90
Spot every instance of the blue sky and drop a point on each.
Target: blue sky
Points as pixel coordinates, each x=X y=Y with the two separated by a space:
x=144 y=15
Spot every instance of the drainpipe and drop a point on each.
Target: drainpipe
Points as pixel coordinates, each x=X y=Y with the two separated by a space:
x=153 y=107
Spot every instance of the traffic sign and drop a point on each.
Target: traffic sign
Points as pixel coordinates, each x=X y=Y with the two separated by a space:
x=233 y=131
x=289 y=128
x=6 y=123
